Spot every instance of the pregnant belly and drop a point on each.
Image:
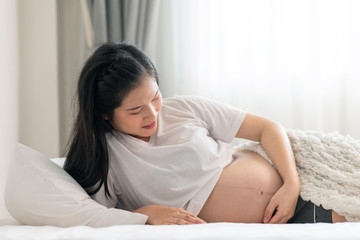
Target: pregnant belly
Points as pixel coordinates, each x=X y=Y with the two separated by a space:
x=243 y=191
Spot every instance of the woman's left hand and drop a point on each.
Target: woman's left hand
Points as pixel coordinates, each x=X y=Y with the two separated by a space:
x=282 y=205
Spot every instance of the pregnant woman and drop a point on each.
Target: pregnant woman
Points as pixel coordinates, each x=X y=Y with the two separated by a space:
x=171 y=159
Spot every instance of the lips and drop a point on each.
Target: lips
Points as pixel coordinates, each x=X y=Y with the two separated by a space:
x=150 y=126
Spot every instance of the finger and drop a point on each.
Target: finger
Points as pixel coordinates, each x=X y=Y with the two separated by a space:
x=199 y=220
x=195 y=219
x=279 y=217
x=278 y=220
x=270 y=211
x=179 y=221
x=284 y=219
x=275 y=219
x=192 y=218
x=283 y=215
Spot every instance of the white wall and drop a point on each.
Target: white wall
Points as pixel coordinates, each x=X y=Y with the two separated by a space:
x=38 y=99
x=28 y=80
x=8 y=88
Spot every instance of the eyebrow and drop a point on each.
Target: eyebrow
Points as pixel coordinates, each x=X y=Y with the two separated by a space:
x=134 y=108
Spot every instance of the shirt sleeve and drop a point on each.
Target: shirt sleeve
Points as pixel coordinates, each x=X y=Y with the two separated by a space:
x=221 y=120
x=100 y=197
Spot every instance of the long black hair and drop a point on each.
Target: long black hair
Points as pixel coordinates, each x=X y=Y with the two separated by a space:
x=109 y=74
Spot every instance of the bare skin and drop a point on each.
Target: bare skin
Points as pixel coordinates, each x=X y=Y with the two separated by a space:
x=244 y=190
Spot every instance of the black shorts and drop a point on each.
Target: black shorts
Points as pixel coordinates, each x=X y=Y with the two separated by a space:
x=307 y=212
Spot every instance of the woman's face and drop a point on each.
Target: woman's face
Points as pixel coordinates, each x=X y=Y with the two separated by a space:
x=137 y=116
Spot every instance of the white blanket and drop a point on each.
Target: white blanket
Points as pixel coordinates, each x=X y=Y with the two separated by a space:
x=328 y=167
x=223 y=231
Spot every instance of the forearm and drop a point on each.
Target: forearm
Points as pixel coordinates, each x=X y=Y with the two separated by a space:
x=277 y=145
x=274 y=140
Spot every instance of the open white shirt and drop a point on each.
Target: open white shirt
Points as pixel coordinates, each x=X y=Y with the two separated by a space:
x=182 y=161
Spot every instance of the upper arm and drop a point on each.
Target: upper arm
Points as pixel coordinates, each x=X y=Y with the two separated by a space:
x=252 y=127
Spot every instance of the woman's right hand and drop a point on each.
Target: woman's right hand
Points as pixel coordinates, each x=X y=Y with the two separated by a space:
x=161 y=215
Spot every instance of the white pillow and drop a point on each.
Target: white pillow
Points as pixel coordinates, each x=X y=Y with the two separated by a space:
x=39 y=192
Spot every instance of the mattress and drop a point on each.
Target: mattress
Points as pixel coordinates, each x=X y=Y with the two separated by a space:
x=225 y=231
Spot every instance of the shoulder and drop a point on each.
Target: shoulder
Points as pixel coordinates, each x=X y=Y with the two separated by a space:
x=184 y=104
x=197 y=104
x=178 y=99
x=187 y=106
x=186 y=101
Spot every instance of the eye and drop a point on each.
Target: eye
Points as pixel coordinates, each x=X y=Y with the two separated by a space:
x=156 y=97
x=135 y=113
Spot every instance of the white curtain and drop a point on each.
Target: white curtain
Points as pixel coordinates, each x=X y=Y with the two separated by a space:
x=8 y=91
x=296 y=62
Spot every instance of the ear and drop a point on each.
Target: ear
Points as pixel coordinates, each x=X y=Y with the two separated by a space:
x=105 y=117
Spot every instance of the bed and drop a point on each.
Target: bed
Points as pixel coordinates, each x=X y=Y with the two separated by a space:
x=225 y=231
x=60 y=209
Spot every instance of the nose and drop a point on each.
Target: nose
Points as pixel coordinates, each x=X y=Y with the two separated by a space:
x=151 y=112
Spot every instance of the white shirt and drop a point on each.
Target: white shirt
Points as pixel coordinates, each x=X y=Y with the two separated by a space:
x=182 y=161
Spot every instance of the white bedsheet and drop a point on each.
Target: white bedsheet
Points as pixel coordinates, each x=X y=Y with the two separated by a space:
x=210 y=231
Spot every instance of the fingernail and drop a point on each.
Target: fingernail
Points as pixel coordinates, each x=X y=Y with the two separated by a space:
x=266 y=220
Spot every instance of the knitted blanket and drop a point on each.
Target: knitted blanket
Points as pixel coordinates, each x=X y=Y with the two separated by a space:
x=329 y=169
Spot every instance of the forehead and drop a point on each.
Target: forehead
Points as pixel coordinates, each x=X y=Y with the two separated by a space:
x=144 y=92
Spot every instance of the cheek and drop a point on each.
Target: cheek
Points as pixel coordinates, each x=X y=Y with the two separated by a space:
x=158 y=105
x=127 y=125
x=132 y=121
x=122 y=123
